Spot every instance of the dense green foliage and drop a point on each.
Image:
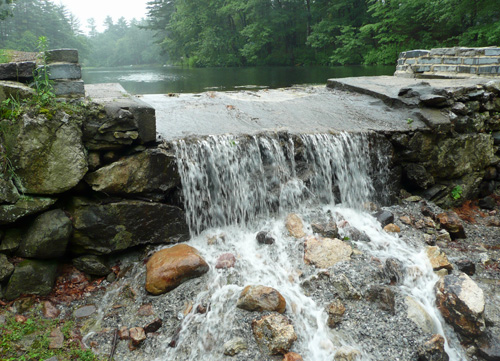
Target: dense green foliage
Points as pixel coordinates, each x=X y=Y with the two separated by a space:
x=255 y=32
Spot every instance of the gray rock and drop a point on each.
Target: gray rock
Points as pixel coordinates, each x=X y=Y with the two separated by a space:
x=417 y=313
x=47 y=237
x=234 y=346
x=6 y=268
x=8 y=191
x=19 y=72
x=16 y=90
x=487 y=203
x=11 y=240
x=116 y=226
x=48 y=155
x=69 y=88
x=489 y=345
x=25 y=206
x=31 y=277
x=85 y=311
x=63 y=71
x=61 y=56
x=417 y=176
x=384 y=217
x=92 y=265
x=151 y=171
x=264 y=237
x=383 y=296
x=433 y=100
x=394 y=270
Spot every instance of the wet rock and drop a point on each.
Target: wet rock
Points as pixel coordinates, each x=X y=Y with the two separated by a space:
x=466 y=266
x=418 y=314
x=417 y=176
x=433 y=100
x=84 y=311
x=261 y=298
x=116 y=226
x=226 y=260
x=433 y=350
x=392 y=228
x=274 y=333
x=344 y=288
x=461 y=303
x=325 y=252
x=151 y=171
x=25 y=206
x=394 y=270
x=357 y=235
x=48 y=155
x=6 y=268
x=383 y=296
x=264 y=237
x=487 y=203
x=335 y=311
x=294 y=226
x=459 y=108
x=327 y=230
x=489 y=345
x=234 y=346
x=452 y=223
x=292 y=356
x=31 y=277
x=170 y=267
x=47 y=237
x=56 y=339
x=384 y=217
x=438 y=259
x=8 y=191
x=153 y=326
x=346 y=353
x=92 y=265
x=49 y=310
x=137 y=336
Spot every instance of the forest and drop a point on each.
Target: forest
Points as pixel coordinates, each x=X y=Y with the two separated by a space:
x=225 y=33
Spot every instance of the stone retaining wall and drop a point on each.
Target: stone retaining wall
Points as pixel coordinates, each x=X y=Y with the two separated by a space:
x=449 y=63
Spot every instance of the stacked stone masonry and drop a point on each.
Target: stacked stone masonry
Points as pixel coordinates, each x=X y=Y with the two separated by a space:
x=66 y=72
x=449 y=63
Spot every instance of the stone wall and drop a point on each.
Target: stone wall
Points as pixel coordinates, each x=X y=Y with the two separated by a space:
x=449 y=63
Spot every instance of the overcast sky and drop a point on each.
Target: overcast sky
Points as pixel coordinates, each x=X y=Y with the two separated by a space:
x=99 y=9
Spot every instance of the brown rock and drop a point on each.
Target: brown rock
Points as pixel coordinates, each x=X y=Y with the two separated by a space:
x=20 y=318
x=49 y=310
x=294 y=226
x=392 y=228
x=170 y=267
x=146 y=310
x=274 y=333
x=433 y=350
x=137 y=335
x=325 y=252
x=346 y=353
x=56 y=339
x=405 y=220
x=429 y=222
x=335 y=312
x=226 y=260
x=123 y=333
x=438 y=259
x=461 y=303
x=153 y=326
x=292 y=356
x=452 y=223
x=234 y=346
x=383 y=296
x=261 y=298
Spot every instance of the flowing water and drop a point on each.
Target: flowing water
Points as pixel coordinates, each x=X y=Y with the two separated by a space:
x=235 y=187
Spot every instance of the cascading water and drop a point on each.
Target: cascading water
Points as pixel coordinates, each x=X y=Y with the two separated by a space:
x=235 y=187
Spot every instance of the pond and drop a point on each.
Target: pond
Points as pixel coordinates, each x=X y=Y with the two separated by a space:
x=170 y=79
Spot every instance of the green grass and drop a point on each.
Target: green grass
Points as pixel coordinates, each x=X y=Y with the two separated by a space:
x=4 y=56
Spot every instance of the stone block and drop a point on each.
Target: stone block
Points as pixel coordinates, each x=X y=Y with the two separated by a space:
x=488 y=70
x=62 y=56
x=444 y=51
x=471 y=61
x=492 y=52
x=488 y=61
x=22 y=71
x=416 y=53
x=64 y=71
x=470 y=51
x=410 y=61
x=421 y=69
x=69 y=88
x=454 y=61
x=467 y=69
x=429 y=60
x=401 y=61
x=10 y=89
x=447 y=69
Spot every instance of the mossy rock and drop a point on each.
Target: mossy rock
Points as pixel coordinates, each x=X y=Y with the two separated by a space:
x=32 y=278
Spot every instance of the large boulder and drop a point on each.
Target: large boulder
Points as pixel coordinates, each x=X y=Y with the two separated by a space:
x=452 y=223
x=261 y=298
x=12 y=89
x=32 y=278
x=47 y=237
x=151 y=171
x=115 y=226
x=170 y=267
x=24 y=206
x=48 y=155
x=461 y=303
x=325 y=252
x=274 y=334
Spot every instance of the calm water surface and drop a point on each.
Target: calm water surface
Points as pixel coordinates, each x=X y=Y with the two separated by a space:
x=161 y=80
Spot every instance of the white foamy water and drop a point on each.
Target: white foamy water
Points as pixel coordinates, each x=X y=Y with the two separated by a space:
x=236 y=187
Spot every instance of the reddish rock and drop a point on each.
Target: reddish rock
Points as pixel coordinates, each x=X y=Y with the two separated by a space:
x=438 y=259
x=153 y=326
x=461 y=303
x=452 y=223
x=226 y=260
x=137 y=335
x=56 y=339
x=325 y=252
x=123 y=333
x=335 y=312
x=292 y=356
x=261 y=298
x=274 y=333
x=294 y=226
x=146 y=310
x=170 y=267
x=49 y=310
